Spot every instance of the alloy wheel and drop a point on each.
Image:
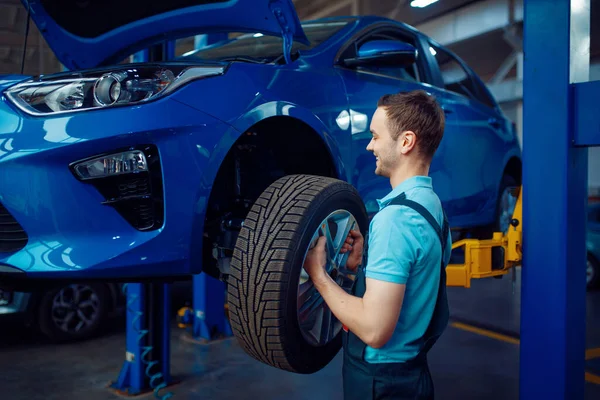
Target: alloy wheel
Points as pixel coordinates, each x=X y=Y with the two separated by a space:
x=317 y=323
x=75 y=308
x=508 y=201
x=590 y=272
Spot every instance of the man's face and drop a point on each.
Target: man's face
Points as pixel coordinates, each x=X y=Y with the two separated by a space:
x=383 y=147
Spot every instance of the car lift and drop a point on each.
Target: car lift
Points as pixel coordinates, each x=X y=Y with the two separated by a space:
x=561 y=122
x=490 y=257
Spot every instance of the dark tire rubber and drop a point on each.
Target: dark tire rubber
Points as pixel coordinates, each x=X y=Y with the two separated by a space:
x=266 y=266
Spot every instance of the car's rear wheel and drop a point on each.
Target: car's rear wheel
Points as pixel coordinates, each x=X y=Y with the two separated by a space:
x=276 y=313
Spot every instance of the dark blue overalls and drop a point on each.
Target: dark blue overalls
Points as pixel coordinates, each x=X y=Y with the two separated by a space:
x=399 y=381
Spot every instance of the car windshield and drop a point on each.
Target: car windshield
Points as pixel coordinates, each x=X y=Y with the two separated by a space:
x=264 y=48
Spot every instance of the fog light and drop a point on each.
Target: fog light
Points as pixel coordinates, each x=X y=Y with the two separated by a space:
x=110 y=165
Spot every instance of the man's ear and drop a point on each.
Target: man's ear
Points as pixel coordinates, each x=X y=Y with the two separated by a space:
x=408 y=140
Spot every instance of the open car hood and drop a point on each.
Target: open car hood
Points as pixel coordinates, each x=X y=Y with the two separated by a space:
x=92 y=33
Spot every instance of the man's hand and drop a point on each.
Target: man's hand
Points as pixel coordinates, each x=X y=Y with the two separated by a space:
x=354 y=244
x=316 y=260
x=373 y=317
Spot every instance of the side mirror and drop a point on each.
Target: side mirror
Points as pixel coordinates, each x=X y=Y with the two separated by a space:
x=384 y=52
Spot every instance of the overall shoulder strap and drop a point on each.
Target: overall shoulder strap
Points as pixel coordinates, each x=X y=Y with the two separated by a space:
x=441 y=232
x=441 y=314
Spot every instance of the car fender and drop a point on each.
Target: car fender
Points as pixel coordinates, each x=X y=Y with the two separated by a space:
x=287 y=109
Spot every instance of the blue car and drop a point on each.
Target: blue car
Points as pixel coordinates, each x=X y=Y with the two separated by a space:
x=230 y=159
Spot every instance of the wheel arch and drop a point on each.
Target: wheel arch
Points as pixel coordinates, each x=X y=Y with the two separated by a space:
x=514 y=168
x=297 y=138
x=295 y=116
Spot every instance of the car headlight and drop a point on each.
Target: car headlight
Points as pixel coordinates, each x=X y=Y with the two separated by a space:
x=100 y=89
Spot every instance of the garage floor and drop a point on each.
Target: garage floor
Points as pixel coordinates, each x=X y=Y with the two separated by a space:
x=469 y=362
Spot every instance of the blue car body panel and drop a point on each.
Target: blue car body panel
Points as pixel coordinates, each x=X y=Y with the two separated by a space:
x=78 y=47
x=69 y=229
x=72 y=235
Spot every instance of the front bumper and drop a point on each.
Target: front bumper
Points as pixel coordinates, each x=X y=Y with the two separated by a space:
x=70 y=233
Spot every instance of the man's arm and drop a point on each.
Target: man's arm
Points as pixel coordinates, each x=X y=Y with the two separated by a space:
x=373 y=317
x=393 y=250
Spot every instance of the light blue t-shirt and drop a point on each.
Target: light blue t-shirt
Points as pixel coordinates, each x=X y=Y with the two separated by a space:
x=404 y=248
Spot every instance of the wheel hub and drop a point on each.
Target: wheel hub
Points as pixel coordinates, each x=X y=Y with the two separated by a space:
x=317 y=323
x=74 y=308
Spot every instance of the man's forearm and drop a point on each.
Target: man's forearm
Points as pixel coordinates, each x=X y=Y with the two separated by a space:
x=349 y=309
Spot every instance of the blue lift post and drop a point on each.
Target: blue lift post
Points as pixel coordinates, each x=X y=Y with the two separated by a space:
x=147 y=360
x=561 y=118
x=209 y=319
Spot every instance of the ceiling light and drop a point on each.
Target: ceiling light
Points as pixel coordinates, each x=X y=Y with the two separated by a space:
x=422 y=3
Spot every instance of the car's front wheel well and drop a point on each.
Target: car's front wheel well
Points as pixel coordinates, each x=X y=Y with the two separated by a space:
x=270 y=149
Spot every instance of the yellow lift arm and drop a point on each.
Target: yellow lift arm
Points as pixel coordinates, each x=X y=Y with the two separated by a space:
x=489 y=257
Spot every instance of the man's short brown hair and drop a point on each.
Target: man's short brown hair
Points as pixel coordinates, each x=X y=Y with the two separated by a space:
x=415 y=111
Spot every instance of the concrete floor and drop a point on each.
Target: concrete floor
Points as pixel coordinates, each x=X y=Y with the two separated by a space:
x=466 y=363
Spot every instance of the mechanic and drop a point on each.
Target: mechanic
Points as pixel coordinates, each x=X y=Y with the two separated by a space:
x=398 y=307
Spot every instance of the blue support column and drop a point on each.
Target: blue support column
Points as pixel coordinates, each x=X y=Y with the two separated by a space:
x=170 y=47
x=148 y=336
x=554 y=202
x=210 y=320
x=147 y=361
x=131 y=378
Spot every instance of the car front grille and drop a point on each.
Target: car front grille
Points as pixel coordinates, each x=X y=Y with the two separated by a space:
x=12 y=235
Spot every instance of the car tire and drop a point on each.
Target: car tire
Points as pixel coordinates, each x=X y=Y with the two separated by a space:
x=73 y=312
x=267 y=283
x=592 y=273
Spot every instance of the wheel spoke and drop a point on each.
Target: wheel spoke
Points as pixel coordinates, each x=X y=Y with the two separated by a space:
x=76 y=289
x=79 y=325
x=330 y=245
x=83 y=317
x=345 y=279
x=308 y=308
x=65 y=322
x=347 y=225
x=306 y=291
x=318 y=324
x=59 y=301
x=326 y=324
